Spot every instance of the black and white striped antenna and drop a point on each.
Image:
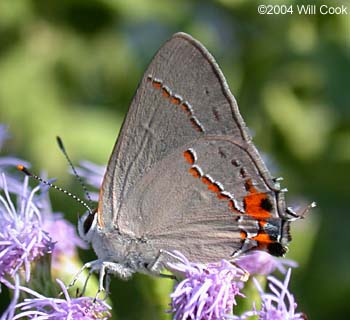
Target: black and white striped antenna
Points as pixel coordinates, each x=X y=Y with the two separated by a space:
x=25 y=170
x=22 y=168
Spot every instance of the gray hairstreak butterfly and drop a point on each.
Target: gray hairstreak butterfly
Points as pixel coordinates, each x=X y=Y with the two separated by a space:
x=184 y=174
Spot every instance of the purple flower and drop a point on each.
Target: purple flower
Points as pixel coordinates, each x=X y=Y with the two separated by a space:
x=63 y=233
x=261 y=262
x=279 y=304
x=41 y=307
x=207 y=292
x=13 y=184
x=22 y=239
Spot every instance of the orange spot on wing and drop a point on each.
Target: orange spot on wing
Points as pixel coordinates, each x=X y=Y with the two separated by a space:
x=262 y=223
x=189 y=157
x=186 y=108
x=196 y=125
x=165 y=93
x=250 y=187
x=206 y=180
x=157 y=85
x=175 y=100
x=243 y=235
x=194 y=172
x=253 y=202
x=223 y=196
x=232 y=206
x=214 y=187
x=253 y=206
x=263 y=238
x=211 y=185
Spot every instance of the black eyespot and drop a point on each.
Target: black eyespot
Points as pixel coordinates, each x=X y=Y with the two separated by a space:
x=88 y=222
x=276 y=249
x=266 y=204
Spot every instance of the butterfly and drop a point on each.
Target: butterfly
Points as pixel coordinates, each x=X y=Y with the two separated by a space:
x=184 y=174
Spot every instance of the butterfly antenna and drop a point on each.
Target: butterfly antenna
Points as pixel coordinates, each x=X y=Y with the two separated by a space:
x=51 y=185
x=81 y=182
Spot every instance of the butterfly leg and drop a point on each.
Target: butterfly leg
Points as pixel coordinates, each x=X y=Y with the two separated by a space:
x=86 y=282
x=160 y=262
x=103 y=268
x=88 y=265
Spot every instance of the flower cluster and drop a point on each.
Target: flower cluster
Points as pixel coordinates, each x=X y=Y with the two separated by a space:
x=278 y=304
x=210 y=291
x=207 y=292
x=82 y=308
x=22 y=239
x=29 y=230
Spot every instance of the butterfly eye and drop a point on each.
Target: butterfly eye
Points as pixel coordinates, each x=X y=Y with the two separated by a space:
x=88 y=222
x=86 y=225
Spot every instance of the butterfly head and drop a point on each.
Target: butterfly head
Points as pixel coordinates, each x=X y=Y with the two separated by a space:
x=87 y=225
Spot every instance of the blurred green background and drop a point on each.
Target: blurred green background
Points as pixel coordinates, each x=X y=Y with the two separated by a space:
x=71 y=67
